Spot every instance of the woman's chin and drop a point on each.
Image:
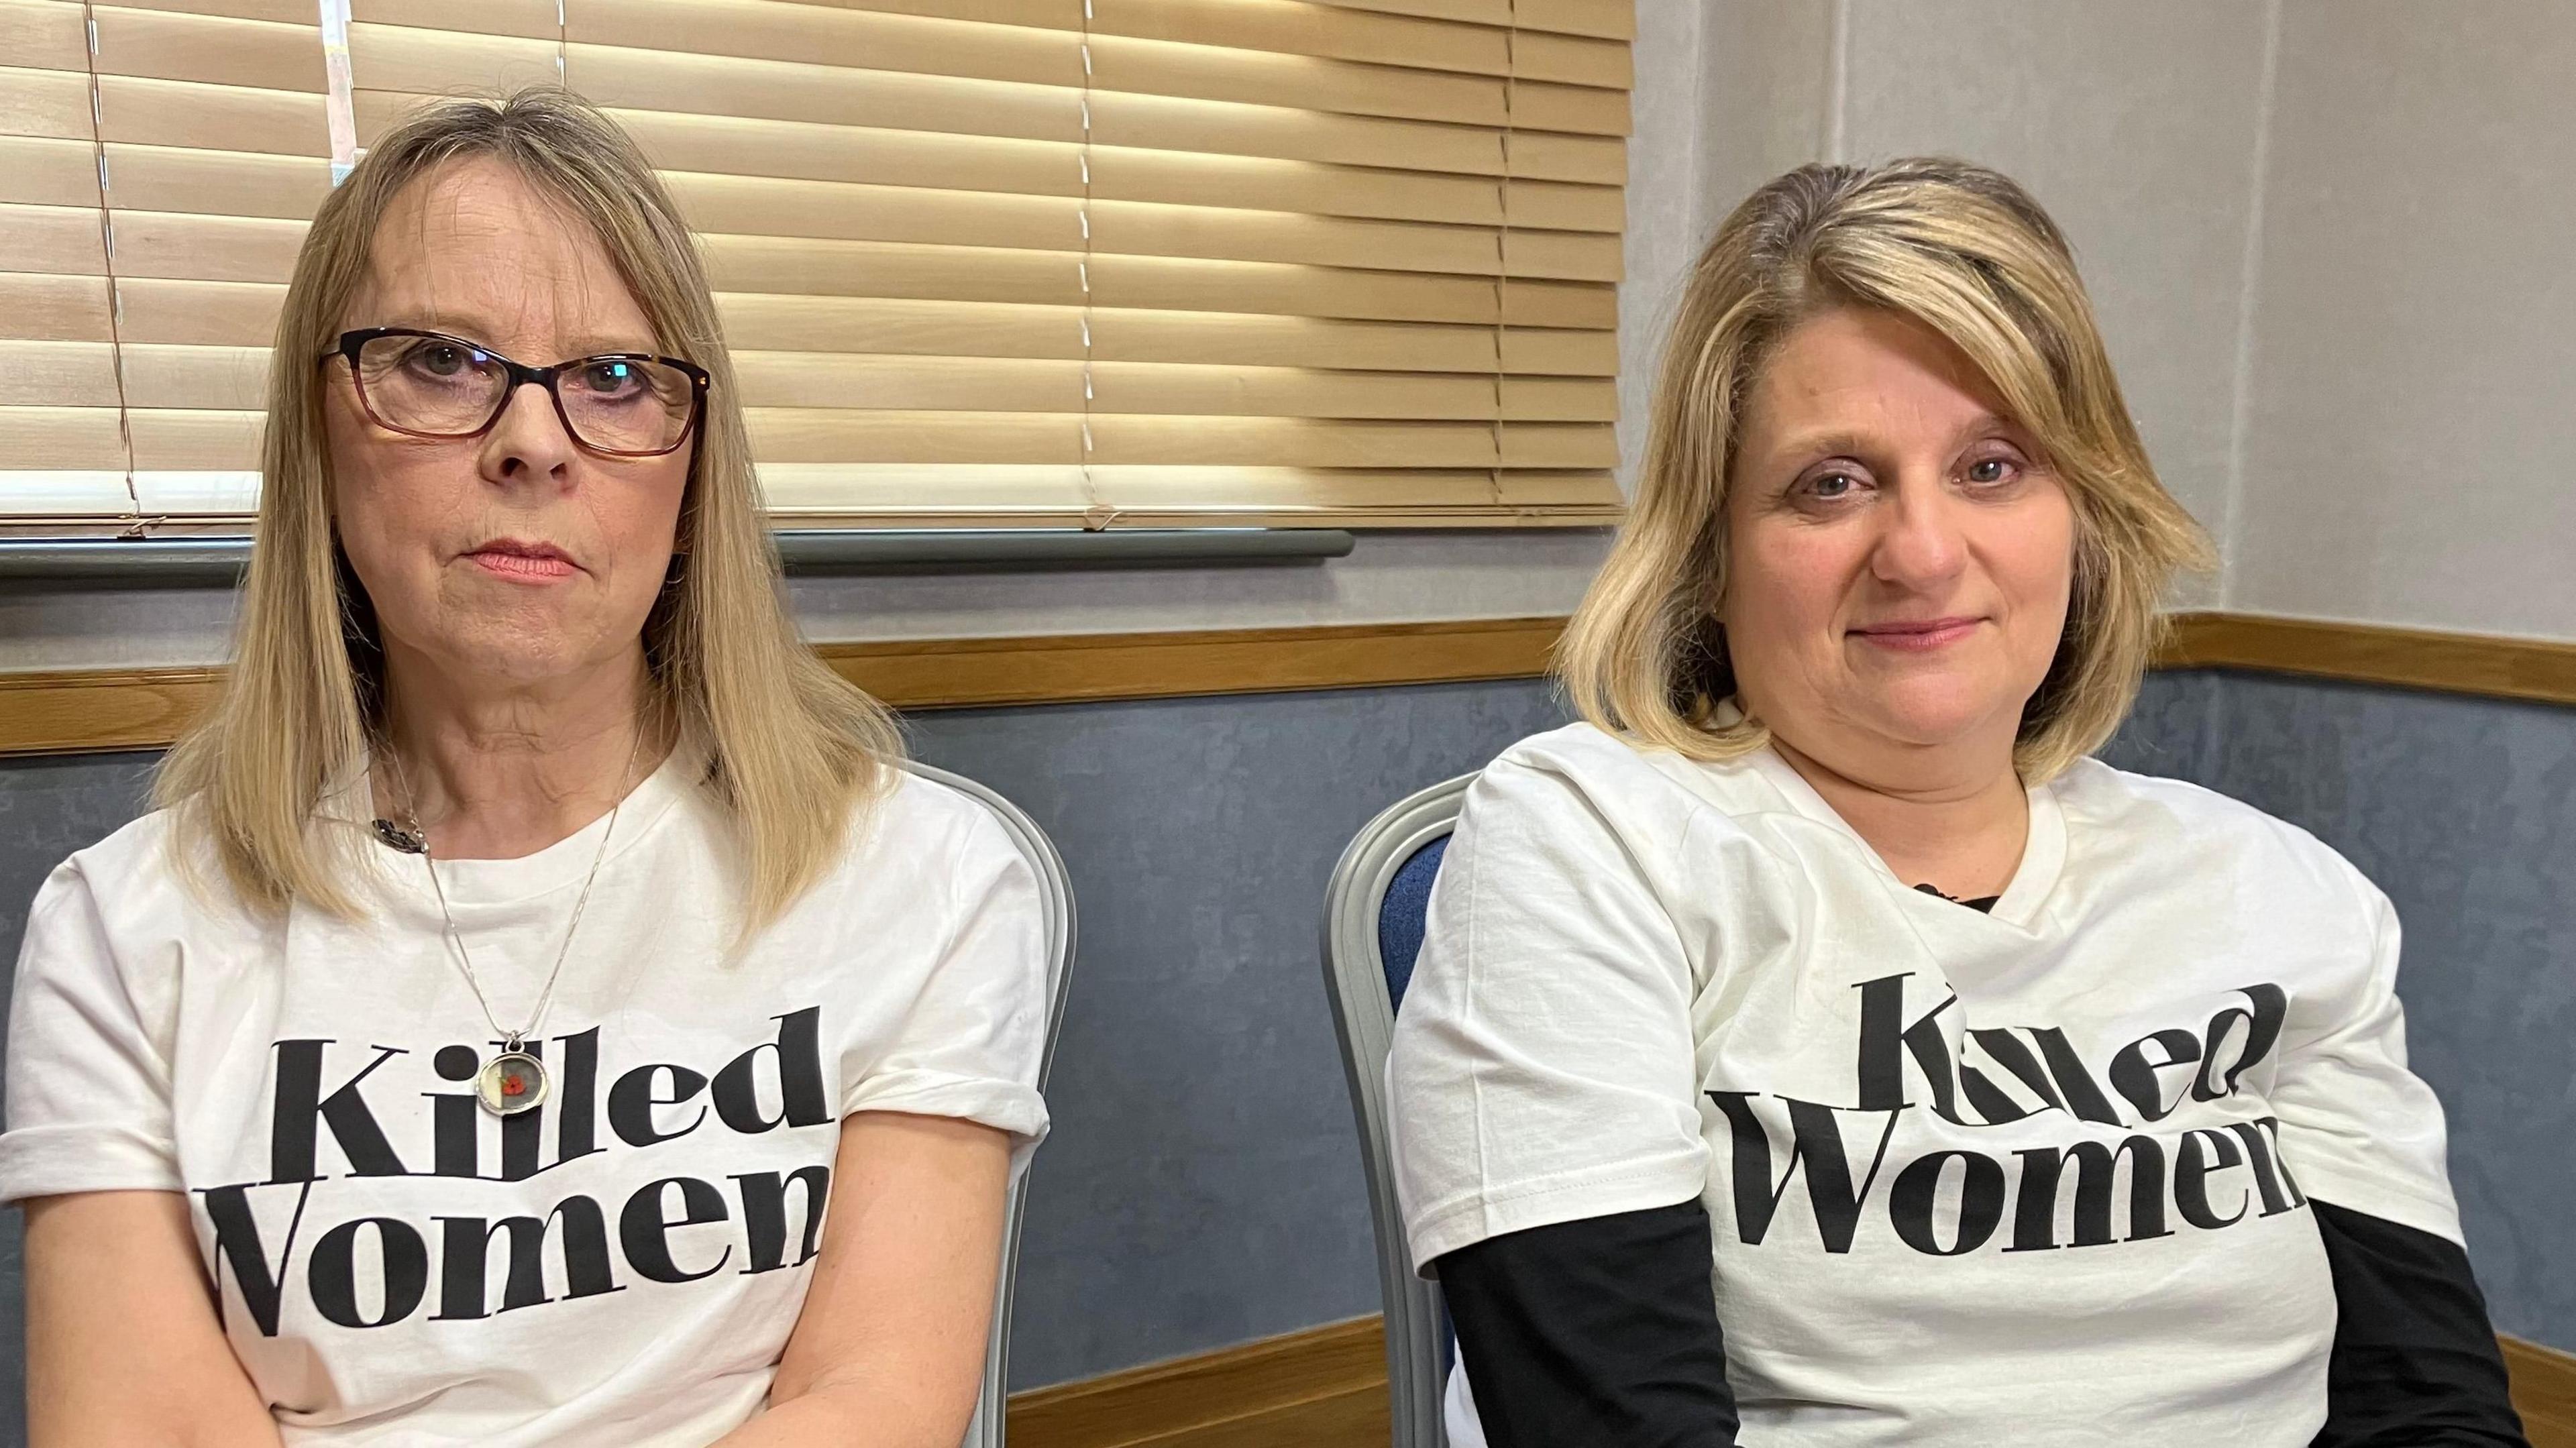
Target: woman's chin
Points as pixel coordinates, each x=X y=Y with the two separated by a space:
x=1934 y=714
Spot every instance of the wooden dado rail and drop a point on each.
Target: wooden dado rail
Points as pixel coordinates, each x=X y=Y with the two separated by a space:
x=89 y=710
x=1326 y=1388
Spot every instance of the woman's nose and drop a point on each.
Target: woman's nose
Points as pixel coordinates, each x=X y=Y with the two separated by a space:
x=1922 y=544
x=528 y=443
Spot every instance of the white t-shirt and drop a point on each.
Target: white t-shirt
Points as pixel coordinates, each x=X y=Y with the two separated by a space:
x=645 y=1238
x=2037 y=1176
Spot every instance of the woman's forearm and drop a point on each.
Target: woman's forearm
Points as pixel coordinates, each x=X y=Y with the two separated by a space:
x=123 y=1344
x=855 y=1413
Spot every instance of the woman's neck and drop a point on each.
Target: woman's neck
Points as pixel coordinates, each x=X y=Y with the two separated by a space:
x=1959 y=828
x=501 y=772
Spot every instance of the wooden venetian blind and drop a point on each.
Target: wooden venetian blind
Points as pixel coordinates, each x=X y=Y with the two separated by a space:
x=1047 y=262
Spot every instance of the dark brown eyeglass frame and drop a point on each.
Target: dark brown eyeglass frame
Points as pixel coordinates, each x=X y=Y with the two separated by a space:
x=522 y=375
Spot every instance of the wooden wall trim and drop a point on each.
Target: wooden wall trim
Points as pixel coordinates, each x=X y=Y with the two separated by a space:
x=2544 y=1389
x=1068 y=668
x=2453 y=663
x=89 y=710
x=1326 y=1388
x=1321 y=1388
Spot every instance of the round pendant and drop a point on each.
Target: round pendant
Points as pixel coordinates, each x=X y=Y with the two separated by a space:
x=511 y=1082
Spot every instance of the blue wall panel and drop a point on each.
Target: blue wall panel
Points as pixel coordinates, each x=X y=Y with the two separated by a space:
x=2464 y=811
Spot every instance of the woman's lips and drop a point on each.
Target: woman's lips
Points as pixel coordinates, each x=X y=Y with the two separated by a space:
x=1918 y=637
x=522 y=562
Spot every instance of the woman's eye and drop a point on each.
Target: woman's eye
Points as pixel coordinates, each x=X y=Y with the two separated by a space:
x=444 y=361
x=611 y=379
x=1992 y=470
x=1829 y=487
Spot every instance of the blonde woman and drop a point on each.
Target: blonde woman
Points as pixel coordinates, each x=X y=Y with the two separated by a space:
x=1814 y=1042
x=535 y=940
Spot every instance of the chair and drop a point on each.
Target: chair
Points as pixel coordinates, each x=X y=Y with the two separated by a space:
x=986 y=1428
x=1372 y=931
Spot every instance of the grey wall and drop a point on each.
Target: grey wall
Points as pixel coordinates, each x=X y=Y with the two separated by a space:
x=2415 y=332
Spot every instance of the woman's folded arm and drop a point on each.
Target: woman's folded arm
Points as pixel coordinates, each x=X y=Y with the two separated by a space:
x=1598 y=1333
x=2415 y=1362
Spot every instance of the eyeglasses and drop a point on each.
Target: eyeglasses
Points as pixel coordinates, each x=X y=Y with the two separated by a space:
x=428 y=384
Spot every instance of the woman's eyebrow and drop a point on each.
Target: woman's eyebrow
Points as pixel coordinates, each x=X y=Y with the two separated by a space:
x=1824 y=444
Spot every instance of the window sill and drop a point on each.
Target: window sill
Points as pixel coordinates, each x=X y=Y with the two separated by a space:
x=216 y=562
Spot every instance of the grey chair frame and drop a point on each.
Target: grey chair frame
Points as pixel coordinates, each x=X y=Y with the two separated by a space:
x=1055 y=888
x=1364 y=1020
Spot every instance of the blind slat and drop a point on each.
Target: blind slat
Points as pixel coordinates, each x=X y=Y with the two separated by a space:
x=841 y=210
x=987 y=495
x=43 y=34
x=855 y=324
x=1604 y=19
x=38 y=171
x=64 y=239
x=83 y=374
x=152 y=244
x=198 y=116
x=944 y=273
x=87 y=438
x=238 y=314
x=44 y=103
x=183 y=246
x=208 y=439
x=818 y=435
x=218 y=50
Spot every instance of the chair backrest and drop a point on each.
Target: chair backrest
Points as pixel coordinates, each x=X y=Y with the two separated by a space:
x=985 y=1430
x=1372 y=932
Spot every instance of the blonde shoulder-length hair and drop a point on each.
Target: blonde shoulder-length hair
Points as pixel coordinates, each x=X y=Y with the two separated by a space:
x=795 y=753
x=1967 y=253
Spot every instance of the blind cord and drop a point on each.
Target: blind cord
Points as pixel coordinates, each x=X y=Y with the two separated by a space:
x=1097 y=514
x=336 y=104
x=136 y=524
x=1503 y=235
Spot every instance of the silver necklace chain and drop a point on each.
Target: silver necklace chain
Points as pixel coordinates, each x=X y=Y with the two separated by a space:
x=511 y=1040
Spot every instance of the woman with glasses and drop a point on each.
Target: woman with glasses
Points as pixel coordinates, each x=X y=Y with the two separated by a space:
x=535 y=940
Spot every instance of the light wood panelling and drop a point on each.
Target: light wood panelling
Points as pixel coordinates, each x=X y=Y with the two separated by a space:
x=2544 y=1388
x=1321 y=1388
x=946 y=673
x=93 y=710
x=2452 y=663
x=90 y=710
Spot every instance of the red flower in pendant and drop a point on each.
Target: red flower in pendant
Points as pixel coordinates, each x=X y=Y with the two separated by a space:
x=514 y=1085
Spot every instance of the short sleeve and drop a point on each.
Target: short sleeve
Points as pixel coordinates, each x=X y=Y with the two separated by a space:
x=971 y=1042
x=2358 y=1129
x=89 y=1080
x=1543 y=1064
